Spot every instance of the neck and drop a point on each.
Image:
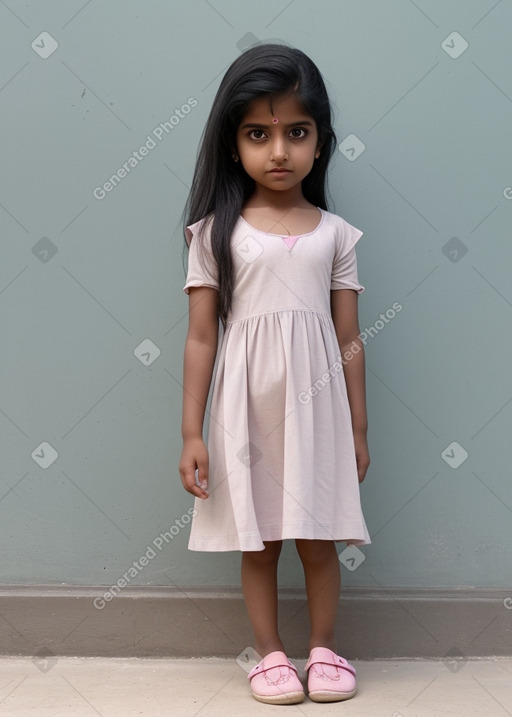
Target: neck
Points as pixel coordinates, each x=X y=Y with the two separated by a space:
x=280 y=201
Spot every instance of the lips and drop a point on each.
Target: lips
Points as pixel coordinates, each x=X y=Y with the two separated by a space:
x=279 y=171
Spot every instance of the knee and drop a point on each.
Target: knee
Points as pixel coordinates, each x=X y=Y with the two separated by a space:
x=268 y=556
x=315 y=552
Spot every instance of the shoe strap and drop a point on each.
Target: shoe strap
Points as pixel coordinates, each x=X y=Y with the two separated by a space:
x=273 y=659
x=327 y=657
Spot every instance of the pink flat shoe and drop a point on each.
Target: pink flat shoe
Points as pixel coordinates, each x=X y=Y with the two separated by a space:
x=274 y=680
x=330 y=678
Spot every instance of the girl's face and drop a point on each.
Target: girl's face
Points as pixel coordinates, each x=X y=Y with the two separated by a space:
x=265 y=146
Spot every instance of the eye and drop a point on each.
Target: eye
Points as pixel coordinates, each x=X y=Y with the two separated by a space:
x=295 y=132
x=256 y=134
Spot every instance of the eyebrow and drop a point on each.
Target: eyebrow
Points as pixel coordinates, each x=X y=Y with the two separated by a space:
x=258 y=125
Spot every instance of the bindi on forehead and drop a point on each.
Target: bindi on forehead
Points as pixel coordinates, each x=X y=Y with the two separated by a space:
x=283 y=111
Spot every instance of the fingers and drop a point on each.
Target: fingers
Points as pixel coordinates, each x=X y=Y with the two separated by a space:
x=198 y=492
x=192 y=483
x=362 y=469
x=363 y=463
x=201 y=481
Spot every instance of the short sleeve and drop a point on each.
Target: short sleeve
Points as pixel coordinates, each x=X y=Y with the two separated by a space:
x=202 y=268
x=344 y=267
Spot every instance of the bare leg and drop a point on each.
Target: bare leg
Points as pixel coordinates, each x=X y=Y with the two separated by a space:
x=259 y=585
x=322 y=573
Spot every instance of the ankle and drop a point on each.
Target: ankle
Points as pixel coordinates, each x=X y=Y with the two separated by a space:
x=330 y=644
x=264 y=649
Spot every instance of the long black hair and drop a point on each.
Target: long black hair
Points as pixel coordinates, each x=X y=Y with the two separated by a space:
x=222 y=186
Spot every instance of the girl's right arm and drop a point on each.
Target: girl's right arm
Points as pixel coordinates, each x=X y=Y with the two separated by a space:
x=200 y=352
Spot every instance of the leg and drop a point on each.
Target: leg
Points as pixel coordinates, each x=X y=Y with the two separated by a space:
x=259 y=585
x=322 y=573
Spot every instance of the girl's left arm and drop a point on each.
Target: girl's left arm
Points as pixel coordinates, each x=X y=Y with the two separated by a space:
x=346 y=323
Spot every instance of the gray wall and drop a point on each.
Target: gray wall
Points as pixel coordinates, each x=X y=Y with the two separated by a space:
x=88 y=278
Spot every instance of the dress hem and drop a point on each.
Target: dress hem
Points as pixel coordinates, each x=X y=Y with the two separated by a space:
x=254 y=542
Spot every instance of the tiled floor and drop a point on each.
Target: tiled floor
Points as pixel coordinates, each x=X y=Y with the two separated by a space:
x=127 y=687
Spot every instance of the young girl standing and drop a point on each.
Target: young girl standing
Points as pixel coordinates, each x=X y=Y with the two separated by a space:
x=287 y=428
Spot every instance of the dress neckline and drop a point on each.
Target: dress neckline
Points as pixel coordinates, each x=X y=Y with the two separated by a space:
x=270 y=234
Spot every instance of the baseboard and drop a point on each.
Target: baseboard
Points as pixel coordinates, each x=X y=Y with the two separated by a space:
x=172 y=622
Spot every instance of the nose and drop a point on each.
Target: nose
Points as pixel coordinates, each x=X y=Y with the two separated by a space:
x=279 y=152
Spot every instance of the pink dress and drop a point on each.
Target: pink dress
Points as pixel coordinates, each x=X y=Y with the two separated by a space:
x=281 y=448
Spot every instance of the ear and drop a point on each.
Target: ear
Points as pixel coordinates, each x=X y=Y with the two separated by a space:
x=318 y=148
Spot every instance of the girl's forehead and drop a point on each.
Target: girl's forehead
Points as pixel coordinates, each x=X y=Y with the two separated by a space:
x=266 y=106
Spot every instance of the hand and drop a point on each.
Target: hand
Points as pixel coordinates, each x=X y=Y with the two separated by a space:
x=194 y=455
x=362 y=454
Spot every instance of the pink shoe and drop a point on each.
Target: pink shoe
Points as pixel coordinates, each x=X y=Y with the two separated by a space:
x=331 y=678
x=274 y=680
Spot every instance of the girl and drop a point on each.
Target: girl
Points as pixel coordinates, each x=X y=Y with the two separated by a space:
x=287 y=427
